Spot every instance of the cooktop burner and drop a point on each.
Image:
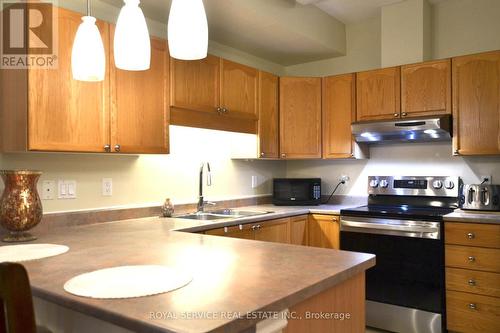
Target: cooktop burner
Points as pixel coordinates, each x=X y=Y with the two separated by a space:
x=399 y=211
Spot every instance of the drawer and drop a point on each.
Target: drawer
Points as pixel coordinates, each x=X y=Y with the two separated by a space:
x=476 y=258
x=470 y=313
x=476 y=282
x=472 y=234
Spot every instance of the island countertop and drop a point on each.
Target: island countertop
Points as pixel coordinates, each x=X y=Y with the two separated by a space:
x=230 y=276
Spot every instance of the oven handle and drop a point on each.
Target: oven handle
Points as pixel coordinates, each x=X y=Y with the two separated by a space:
x=404 y=228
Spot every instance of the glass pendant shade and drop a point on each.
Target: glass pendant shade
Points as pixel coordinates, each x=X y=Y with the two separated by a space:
x=88 y=61
x=132 y=46
x=187 y=30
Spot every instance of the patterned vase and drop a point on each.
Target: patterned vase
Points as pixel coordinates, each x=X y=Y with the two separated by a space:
x=167 y=210
x=20 y=205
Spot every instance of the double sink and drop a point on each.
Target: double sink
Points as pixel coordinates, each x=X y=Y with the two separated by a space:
x=222 y=214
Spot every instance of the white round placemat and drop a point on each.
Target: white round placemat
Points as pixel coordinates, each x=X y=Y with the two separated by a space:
x=25 y=252
x=127 y=282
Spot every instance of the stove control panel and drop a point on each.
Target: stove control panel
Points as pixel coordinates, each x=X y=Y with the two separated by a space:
x=437 y=186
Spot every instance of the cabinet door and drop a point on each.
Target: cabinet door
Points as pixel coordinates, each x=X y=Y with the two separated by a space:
x=276 y=231
x=298 y=230
x=65 y=114
x=239 y=90
x=476 y=104
x=195 y=84
x=139 y=122
x=245 y=232
x=268 y=115
x=300 y=117
x=426 y=88
x=378 y=94
x=323 y=231
x=338 y=113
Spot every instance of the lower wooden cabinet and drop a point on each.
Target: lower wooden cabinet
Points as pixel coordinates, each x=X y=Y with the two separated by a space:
x=277 y=231
x=323 y=231
x=298 y=230
x=472 y=277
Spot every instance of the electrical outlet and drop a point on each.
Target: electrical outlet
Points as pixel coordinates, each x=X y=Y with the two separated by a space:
x=66 y=189
x=107 y=187
x=344 y=178
x=485 y=178
x=48 y=190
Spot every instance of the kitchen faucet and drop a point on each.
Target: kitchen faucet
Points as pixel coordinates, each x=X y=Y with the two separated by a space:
x=201 y=201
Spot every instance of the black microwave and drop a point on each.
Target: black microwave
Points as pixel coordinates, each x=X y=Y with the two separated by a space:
x=296 y=191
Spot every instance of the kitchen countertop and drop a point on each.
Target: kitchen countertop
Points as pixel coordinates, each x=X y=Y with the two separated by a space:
x=229 y=275
x=473 y=216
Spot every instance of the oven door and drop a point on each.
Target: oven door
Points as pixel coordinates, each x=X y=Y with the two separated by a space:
x=405 y=290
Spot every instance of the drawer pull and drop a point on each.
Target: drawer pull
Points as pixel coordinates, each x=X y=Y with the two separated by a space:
x=470 y=235
x=471 y=259
x=225 y=230
x=471 y=282
x=472 y=306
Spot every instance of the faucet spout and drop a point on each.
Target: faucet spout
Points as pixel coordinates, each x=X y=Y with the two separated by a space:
x=201 y=200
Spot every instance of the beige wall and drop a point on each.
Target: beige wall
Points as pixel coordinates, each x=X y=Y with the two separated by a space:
x=149 y=179
x=363 y=53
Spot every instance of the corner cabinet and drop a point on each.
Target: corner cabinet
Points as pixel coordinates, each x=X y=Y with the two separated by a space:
x=214 y=93
x=324 y=231
x=139 y=105
x=426 y=88
x=378 y=94
x=300 y=117
x=47 y=110
x=476 y=104
x=268 y=115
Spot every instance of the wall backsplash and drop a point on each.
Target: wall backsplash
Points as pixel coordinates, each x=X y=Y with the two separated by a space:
x=149 y=179
x=417 y=159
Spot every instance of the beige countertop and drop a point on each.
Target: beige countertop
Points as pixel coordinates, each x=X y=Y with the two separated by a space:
x=229 y=275
x=473 y=216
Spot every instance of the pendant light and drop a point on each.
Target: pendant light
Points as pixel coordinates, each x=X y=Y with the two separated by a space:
x=88 y=61
x=187 y=30
x=132 y=46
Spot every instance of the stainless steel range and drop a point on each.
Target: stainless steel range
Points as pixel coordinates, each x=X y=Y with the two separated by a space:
x=403 y=226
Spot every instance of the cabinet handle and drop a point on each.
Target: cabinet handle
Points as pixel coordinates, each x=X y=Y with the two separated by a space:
x=396 y=115
x=262 y=154
x=456 y=152
x=117 y=148
x=472 y=306
x=224 y=110
x=471 y=282
x=259 y=226
x=107 y=148
x=471 y=259
x=283 y=155
x=225 y=230
x=471 y=235
x=404 y=114
x=219 y=110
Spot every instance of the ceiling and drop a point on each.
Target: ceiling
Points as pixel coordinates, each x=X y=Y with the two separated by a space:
x=285 y=32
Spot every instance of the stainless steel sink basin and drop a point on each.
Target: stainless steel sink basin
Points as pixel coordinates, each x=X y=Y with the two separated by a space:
x=222 y=214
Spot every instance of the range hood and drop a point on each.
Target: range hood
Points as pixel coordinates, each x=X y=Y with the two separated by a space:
x=419 y=129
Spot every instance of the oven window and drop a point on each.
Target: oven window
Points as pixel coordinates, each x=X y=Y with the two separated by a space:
x=409 y=271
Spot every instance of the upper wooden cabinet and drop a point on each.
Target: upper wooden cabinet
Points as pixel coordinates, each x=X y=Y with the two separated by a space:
x=47 y=110
x=378 y=94
x=139 y=122
x=339 y=111
x=195 y=85
x=214 y=93
x=324 y=231
x=476 y=104
x=426 y=88
x=268 y=115
x=300 y=117
x=239 y=90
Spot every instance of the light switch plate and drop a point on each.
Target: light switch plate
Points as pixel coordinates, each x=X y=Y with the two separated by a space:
x=48 y=190
x=66 y=189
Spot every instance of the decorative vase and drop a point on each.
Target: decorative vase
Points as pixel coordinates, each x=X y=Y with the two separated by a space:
x=167 y=210
x=20 y=205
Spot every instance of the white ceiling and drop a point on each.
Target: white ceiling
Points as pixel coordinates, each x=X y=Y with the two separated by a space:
x=350 y=11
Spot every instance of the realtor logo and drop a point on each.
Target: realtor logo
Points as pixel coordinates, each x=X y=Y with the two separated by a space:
x=29 y=34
